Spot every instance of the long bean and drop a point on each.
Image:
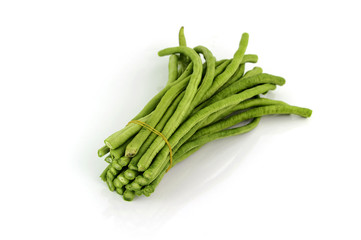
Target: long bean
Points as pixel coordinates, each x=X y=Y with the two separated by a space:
x=247 y=82
x=183 y=59
x=231 y=68
x=120 y=137
x=103 y=150
x=208 y=78
x=253 y=113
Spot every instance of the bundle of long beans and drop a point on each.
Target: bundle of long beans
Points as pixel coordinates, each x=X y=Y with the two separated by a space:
x=201 y=102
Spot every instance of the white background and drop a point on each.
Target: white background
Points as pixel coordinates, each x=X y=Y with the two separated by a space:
x=73 y=72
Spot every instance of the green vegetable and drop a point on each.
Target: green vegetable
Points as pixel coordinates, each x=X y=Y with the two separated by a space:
x=201 y=102
x=103 y=150
x=172 y=68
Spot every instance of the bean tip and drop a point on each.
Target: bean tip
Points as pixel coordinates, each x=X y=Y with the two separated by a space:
x=108 y=144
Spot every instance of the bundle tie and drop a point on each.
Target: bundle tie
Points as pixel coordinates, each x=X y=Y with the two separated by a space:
x=150 y=128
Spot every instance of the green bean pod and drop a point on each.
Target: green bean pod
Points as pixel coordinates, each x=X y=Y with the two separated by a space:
x=134 y=186
x=250 y=103
x=128 y=195
x=120 y=190
x=103 y=176
x=108 y=159
x=115 y=164
x=231 y=68
x=103 y=150
x=130 y=174
x=124 y=161
x=183 y=59
x=138 y=192
x=151 y=187
x=118 y=138
x=255 y=71
x=208 y=78
x=247 y=82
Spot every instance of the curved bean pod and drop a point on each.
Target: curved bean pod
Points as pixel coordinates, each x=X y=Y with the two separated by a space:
x=208 y=78
x=231 y=68
x=183 y=59
x=253 y=72
x=130 y=174
x=221 y=62
x=246 y=83
x=252 y=113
